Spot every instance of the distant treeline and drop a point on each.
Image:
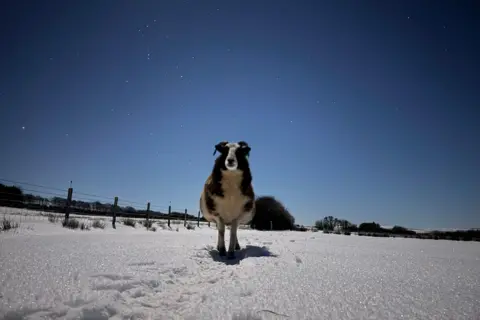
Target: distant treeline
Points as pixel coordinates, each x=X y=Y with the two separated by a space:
x=13 y=196
x=331 y=224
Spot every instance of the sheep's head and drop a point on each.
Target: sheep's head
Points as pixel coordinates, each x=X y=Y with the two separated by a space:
x=233 y=155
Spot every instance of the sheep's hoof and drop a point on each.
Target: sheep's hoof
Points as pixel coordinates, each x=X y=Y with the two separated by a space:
x=222 y=252
x=230 y=255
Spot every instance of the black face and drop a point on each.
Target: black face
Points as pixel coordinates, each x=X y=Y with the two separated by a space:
x=233 y=156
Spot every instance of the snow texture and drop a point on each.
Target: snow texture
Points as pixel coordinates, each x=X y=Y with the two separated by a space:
x=50 y=272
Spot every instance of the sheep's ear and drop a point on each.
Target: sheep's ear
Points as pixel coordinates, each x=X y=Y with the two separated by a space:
x=220 y=147
x=243 y=144
x=245 y=147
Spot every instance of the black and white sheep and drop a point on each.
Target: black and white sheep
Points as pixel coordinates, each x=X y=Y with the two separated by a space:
x=228 y=197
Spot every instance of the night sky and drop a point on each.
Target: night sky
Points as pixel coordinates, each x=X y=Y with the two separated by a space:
x=364 y=110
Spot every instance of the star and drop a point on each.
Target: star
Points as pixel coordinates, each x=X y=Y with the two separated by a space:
x=23 y=127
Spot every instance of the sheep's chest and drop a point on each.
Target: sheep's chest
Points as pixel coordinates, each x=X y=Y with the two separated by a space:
x=231 y=205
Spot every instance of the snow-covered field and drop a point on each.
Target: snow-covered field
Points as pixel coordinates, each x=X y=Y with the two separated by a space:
x=50 y=272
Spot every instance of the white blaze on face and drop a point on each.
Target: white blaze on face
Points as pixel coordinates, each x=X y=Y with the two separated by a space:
x=231 y=162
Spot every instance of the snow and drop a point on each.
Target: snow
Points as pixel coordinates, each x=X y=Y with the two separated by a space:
x=50 y=272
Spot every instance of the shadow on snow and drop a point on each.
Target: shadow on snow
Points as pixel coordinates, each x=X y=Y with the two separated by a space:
x=246 y=252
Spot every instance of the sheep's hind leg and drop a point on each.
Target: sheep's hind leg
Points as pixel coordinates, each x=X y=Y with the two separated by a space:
x=221 y=238
x=233 y=240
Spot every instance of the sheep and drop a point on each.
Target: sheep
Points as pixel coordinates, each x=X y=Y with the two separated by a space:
x=228 y=197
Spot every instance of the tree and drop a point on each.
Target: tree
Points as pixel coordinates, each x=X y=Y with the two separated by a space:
x=329 y=223
x=11 y=196
x=369 y=227
x=402 y=230
x=319 y=224
x=270 y=214
x=129 y=209
x=59 y=202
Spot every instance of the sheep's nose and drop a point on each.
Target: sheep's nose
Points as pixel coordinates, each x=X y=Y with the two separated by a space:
x=230 y=162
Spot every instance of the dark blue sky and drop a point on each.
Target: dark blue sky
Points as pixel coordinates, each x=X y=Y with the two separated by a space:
x=364 y=110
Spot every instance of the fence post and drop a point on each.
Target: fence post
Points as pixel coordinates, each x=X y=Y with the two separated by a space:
x=271 y=225
x=114 y=212
x=69 y=202
x=185 y=219
x=209 y=224
x=169 y=212
x=198 y=219
x=148 y=210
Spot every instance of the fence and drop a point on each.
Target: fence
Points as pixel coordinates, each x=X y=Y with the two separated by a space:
x=48 y=199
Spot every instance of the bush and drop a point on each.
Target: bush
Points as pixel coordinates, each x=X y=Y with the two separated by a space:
x=8 y=224
x=270 y=214
x=147 y=223
x=190 y=226
x=153 y=228
x=84 y=226
x=71 y=223
x=53 y=218
x=301 y=228
x=347 y=233
x=98 y=224
x=129 y=222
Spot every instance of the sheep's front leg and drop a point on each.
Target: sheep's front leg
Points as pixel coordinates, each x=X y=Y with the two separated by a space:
x=233 y=240
x=221 y=238
x=237 y=245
